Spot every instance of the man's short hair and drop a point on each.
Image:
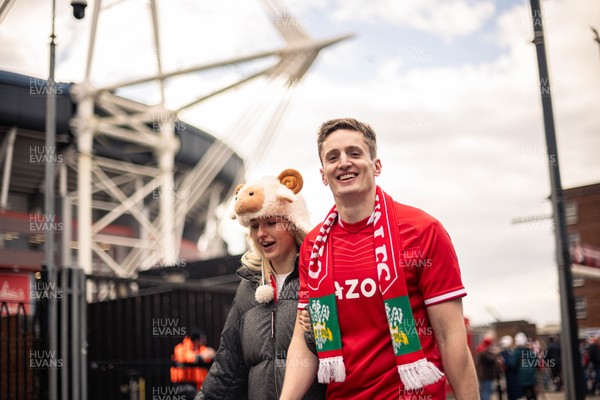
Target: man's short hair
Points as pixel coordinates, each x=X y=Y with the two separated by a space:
x=328 y=127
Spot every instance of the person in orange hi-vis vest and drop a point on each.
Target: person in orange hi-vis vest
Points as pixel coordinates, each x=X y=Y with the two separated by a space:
x=192 y=359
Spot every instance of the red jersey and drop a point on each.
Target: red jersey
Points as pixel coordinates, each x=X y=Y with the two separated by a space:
x=432 y=276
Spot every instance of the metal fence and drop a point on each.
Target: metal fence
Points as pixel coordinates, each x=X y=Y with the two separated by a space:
x=117 y=344
x=131 y=338
x=19 y=339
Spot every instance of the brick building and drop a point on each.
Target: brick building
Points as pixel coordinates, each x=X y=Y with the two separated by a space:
x=582 y=205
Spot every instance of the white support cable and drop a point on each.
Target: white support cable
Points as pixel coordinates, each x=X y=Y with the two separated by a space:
x=108 y=260
x=154 y=12
x=123 y=241
x=122 y=102
x=118 y=116
x=5 y=8
x=198 y=68
x=125 y=167
x=116 y=132
x=117 y=181
x=197 y=180
x=287 y=24
x=127 y=203
x=224 y=89
x=92 y=42
x=121 y=117
x=117 y=194
x=272 y=128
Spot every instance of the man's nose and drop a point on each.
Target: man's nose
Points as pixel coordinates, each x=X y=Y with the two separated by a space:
x=344 y=161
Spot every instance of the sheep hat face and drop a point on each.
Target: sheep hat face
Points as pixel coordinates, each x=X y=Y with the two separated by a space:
x=273 y=197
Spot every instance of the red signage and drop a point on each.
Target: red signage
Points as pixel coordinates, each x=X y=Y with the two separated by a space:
x=586 y=254
x=15 y=293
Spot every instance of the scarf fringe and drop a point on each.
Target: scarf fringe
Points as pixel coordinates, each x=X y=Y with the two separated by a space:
x=418 y=374
x=331 y=369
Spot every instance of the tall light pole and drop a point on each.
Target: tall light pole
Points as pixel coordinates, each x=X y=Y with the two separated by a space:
x=573 y=375
x=49 y=207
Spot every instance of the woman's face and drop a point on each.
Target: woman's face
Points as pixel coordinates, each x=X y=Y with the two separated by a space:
x=274 y=238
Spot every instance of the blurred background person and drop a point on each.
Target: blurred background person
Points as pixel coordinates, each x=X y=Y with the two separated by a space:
x=526 y=362
x=509 y=369
x=486 y=364
x=593 y=356
x=554 y=362
x=192 y=359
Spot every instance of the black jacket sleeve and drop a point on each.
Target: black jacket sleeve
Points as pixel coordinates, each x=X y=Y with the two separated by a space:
x=227 y=379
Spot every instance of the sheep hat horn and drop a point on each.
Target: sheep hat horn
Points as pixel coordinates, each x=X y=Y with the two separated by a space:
x=273 y=197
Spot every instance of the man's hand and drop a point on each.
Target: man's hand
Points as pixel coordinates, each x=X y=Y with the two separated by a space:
x=304 y=321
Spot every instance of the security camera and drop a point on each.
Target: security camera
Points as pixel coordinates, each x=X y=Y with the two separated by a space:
x=79 y=8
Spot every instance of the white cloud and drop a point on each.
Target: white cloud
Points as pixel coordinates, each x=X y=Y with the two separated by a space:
x=446 y=19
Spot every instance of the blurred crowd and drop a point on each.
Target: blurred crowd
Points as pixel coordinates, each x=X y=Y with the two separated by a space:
x=523 y=367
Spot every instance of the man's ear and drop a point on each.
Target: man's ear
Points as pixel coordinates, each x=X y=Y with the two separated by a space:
x=323 y=177
x=377 y=164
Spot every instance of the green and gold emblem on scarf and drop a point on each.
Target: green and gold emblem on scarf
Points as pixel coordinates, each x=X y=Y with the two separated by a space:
x=327 y=335
x=405 y=338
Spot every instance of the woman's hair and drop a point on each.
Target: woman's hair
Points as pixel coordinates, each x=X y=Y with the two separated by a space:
x=253 y=258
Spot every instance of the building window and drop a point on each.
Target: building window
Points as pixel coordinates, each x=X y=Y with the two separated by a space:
x=574 y=238
x=580 y=307
x=578 y=282
x=571 y=212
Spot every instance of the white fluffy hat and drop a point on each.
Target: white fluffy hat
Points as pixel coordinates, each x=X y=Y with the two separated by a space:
x=273 y=197
x=520 y=339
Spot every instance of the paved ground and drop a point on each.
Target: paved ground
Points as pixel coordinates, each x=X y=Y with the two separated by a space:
x=554 y=396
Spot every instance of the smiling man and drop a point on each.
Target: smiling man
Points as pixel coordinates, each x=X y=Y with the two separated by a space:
x=382 y=283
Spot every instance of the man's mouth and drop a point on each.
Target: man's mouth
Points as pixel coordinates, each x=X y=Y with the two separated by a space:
x=345 y=177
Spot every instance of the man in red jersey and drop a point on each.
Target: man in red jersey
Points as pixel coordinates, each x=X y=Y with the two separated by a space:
x=383 y=286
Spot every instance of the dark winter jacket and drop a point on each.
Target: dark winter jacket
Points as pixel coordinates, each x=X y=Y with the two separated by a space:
x=526 y=361
x=486 y=365
x=513 y=388
x=250 y=362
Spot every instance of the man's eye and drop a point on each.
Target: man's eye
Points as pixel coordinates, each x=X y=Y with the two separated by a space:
x=331 y=158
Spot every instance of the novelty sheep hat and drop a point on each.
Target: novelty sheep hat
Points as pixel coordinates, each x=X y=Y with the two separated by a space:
x=273 y=197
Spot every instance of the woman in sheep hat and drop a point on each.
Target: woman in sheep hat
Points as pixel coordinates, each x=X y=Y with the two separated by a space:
x=250 y=362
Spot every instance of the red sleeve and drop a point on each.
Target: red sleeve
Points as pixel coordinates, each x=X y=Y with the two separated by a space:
x=427 y=247
x=441 y=281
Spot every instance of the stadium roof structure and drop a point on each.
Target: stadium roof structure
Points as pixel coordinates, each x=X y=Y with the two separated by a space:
x=143 y=182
